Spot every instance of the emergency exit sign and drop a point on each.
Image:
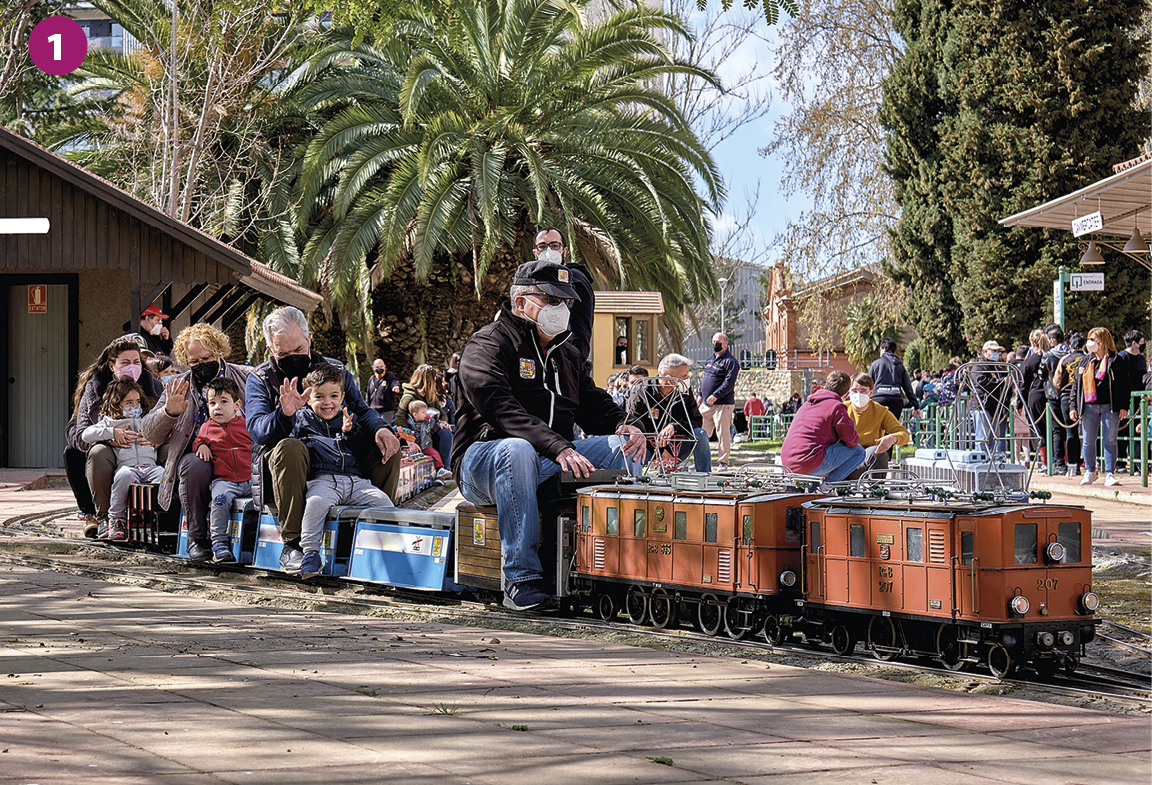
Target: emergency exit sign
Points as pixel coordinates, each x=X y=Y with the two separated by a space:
x=1087 y=282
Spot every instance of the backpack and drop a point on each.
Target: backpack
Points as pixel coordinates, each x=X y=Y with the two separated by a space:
x=946 y=389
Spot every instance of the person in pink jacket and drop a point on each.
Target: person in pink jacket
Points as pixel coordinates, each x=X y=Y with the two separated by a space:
x=822 y=440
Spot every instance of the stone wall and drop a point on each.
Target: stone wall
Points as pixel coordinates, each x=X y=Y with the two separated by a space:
x=777 y=385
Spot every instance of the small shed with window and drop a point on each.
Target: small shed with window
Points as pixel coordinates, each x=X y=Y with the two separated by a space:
x=625 y=330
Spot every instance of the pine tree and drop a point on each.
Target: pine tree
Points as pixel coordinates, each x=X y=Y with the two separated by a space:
x=1022 y=101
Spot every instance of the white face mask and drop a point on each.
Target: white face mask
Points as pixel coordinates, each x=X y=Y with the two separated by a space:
x=553 y=319
x=550 y=256
x=157 y=328
x=1092 y=346
x=859 y=399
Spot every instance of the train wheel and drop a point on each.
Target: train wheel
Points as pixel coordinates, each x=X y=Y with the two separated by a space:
x=773 y=632
x=637 y=605
x=737 y=625
x=1070 y=663
x=882 y=641
x=663 y=610
x=950 y=652
x=1000 y=661
x=606 y=608
x=709 y=615
x=843 y=640
x=1046 y=667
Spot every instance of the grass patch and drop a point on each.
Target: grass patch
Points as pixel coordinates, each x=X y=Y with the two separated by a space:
x=661 y=761
x=1124 y=600
x=763 y=444
x=444 y=708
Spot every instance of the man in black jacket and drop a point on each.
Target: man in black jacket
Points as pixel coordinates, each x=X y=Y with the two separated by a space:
x=523 y=386
x=381 y=391
x=718 y=396
x=550 y=246
x=891 y=380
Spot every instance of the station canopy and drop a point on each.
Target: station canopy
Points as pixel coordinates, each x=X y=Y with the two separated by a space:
x=1124 y=201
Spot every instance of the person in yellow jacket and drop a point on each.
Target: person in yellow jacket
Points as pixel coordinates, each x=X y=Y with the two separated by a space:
x=878 y=428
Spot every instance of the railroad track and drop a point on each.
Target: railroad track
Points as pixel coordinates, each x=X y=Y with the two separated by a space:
x=106 y=562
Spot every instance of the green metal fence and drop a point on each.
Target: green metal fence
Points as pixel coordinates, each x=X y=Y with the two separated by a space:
x=768 y=427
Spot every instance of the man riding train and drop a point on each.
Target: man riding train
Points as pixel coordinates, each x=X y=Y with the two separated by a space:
x=524 y=388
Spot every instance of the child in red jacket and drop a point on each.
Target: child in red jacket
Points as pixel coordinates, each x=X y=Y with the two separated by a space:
x=223 y=441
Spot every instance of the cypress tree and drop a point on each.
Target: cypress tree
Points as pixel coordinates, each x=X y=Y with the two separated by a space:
x=1033 y=99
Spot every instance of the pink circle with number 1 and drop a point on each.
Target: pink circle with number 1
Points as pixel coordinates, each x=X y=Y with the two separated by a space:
x=58 y=45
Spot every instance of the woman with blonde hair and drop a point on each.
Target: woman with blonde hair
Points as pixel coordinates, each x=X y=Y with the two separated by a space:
x=1033 y=390
x=178 y=415
x=427 y=385
x=1100 y=396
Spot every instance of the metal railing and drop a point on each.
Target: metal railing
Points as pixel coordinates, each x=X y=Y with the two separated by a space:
x=768 y=427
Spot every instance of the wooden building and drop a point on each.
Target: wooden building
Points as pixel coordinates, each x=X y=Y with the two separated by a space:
x=105 y=257
x=633 y=316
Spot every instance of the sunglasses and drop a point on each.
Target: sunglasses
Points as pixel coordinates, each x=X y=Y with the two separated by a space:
x=555 y=246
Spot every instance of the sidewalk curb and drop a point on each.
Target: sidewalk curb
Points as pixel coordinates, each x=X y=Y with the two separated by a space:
x=1092 y=492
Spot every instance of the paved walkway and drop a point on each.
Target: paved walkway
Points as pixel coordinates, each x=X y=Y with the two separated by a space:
x=103 y=683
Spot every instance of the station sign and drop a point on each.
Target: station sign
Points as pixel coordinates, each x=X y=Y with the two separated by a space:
x=1093 y=222
x=1087 y=282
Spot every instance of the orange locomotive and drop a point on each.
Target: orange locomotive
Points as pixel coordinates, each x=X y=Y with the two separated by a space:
x=988 y=579
x=717 y=555
x=1003 y=583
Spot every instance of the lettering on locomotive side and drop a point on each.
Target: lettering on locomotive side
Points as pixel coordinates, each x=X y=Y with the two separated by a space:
x=935 y=604
x=885 y=539
x=885 y=572
x=886 y=587
x=664 y=549
x=661 y=528
x=1046 y=583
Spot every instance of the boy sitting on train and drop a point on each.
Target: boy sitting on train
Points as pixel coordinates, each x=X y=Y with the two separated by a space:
x=668 y=414
x=822 y=440
x=336 y=445
x=223 y=441
x=877 y=427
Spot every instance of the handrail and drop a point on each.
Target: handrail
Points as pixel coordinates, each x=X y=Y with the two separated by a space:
x=1139 y=411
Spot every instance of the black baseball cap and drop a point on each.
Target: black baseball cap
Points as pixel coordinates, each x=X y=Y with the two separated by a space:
x=552 y=279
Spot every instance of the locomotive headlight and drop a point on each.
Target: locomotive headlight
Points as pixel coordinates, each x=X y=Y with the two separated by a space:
x=1089 y=602
x=787 y=578
x=1019 y=605
x=1054 y=553
x=1045 y=639
x=1067 y=638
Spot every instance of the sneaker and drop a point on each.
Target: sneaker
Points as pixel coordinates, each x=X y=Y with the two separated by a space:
x=1110 y=479
x=290 y=559
x=1059 y=469
x=526 y=596
x=222 y=554
x=310 y=565
x=198 y=551
x=91 y=526
x=117 y=531
x=1088 y=478
x=101 y=528
x=444 y=474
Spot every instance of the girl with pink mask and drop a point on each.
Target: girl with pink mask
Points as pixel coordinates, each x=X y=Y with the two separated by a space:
x=91 y=467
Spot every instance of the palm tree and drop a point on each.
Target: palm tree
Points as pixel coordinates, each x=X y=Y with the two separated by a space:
x=453 y=137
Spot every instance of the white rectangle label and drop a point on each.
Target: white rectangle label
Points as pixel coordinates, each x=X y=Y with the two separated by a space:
x=1089 y=223
x=396 y=542
x=1087 y=282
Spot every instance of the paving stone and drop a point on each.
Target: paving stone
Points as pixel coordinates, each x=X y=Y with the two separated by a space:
x=1080 y=769
x=744 y=762
x=371 y=774
x=887 y=775
x=652 y=735
x=1124 y=734
x=569 y=770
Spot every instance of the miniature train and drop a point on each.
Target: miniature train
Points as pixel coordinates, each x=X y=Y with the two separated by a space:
x=909 y=570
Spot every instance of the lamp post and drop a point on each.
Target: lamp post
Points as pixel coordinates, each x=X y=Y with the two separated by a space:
x=723 y=283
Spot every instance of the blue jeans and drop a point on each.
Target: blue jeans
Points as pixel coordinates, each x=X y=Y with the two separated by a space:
x=506 y=473
x=840 y=460
x=700 y=449
x=985 y=427
x=1090 y=419
x=222 y=492
x=442 y=441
